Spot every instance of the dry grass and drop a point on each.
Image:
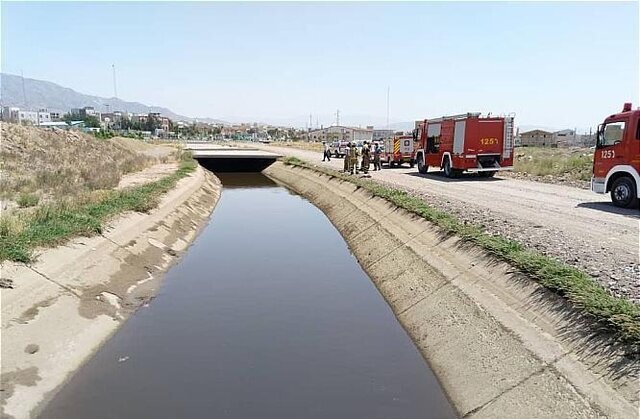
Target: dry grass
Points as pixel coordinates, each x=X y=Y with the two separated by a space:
x=54 y=223
x=58 y=165
x=564 y=163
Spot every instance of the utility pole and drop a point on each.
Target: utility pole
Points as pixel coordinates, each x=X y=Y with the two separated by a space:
x=337 y=117
x=24 y=91
x=115 y=89
x=388 y=90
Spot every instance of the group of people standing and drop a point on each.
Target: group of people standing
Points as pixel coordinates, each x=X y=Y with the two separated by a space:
x=352 y=153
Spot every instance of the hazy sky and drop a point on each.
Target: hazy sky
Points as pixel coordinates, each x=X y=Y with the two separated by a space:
x=553 y=64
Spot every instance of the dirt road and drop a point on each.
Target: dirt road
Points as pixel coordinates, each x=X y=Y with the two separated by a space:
x=574 y=225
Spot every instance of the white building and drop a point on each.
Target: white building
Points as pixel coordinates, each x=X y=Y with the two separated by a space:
x=44 y=116
x=28 y=117
x=10 y=114
x=340 y=133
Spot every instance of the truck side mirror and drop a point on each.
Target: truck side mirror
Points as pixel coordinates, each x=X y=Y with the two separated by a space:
x=415 y=134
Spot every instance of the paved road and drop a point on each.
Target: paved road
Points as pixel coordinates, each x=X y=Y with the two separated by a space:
x=576 y=225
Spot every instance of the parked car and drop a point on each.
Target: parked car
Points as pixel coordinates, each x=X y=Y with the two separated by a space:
x=338 y=148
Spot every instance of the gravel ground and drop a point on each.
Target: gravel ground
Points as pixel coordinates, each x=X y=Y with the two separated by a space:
x=555 y=180
x=576 y=226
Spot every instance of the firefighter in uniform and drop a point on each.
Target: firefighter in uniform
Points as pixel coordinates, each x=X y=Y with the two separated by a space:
x=376 y=157
x=353 y=159
x=366 y=157
x=346 y=157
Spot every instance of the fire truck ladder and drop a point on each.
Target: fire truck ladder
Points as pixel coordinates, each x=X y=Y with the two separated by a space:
x=454 y=117
x=508 y=137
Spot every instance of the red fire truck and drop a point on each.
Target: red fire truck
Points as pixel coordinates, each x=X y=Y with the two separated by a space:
x=397 y=150
x=467 y=142
x=616 y=161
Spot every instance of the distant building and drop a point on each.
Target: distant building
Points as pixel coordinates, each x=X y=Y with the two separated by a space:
x=537 y=138
x=84 y=112
x=56 y=116
x=565 y=138
x=381 y=134
x=10 y=114
x=340 y=133
x=44 y=116
x=28 y=117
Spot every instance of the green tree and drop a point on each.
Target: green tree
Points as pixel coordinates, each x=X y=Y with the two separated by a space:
x=91 y=121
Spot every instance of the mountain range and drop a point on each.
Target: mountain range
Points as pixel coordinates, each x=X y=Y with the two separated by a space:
x=39 y=94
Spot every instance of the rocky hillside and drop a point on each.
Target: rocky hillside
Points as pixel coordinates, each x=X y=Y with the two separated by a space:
x=44 y=94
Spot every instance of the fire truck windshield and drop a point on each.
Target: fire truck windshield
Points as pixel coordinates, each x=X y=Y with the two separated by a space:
x=610 y=134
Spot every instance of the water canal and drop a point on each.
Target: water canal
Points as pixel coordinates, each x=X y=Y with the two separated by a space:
x=267 y=315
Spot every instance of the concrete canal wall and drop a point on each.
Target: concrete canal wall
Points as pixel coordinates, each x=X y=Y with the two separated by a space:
x=501 y=345
x=69 y=302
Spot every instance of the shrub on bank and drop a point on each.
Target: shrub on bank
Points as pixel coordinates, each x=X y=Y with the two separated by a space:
x=55 y=223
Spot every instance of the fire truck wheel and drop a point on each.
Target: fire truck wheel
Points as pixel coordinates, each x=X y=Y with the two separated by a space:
x=448 y=171
x=412 y=163
x=623 y=192
x=422 y=168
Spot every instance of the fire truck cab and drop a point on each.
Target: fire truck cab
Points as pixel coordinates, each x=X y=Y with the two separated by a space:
x=466 y=142
x=616 y=161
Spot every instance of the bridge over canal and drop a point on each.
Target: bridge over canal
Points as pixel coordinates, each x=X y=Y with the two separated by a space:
x=222 y=158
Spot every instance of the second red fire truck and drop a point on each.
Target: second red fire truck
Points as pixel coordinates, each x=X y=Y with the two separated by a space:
x=465 y=143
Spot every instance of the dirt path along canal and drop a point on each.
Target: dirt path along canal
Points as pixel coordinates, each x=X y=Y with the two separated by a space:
x=268 y=315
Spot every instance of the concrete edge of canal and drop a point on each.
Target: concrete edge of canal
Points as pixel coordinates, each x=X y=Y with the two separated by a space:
x=67 y=304
x=501 y=345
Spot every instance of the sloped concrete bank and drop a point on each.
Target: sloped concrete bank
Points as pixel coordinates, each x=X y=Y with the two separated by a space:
x=64 y=306
x=501 y=345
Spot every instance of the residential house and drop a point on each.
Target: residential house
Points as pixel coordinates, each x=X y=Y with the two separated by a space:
x=565 y=138
x=537 y=138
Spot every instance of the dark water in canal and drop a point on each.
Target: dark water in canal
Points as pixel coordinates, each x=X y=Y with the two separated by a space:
x=268 y=315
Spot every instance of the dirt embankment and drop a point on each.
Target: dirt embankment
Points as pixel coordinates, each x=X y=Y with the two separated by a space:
x=66 y=304
x=501 y=345
x=40 y=165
